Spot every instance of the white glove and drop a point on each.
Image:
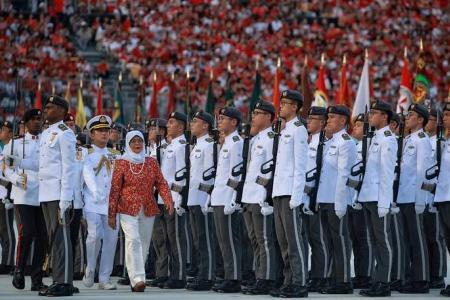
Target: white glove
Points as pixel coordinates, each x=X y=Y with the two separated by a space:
x=419 y=209
x=394 y=209
x=16 y=160
x=8 y=204
x=63 y=207
x=432 y=209
x=207 y=208
x=180 y=211
x=356 y=206
x=382 y=212
x=340 y=213
x=307 y=211
x=266 y=209
x=230 y=208
x=294 y=203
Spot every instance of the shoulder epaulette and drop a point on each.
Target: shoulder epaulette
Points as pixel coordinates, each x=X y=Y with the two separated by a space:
x=182 y=141
x=113 y=151
x=298 y=123
x=235 y=138
x=387 y=133
x=271 y=134
x=63 y=127
x=90 y=150
x=209 y=140
x=164 y=146
x=421 y=135
x=346 y=137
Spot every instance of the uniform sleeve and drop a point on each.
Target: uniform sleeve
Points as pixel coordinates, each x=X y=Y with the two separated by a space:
x=160 y=183
x=31 y=163
x=387 y=172
x=116 y=188
x=89 y=175
x=424 y=162
x=235 y=159
x=180 y=160
x=300 y=162
x=346 y=159
x=67 y=148
x=11 y=174
x=208 y=161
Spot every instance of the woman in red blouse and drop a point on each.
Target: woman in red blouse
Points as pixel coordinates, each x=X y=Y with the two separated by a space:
x=134 y=179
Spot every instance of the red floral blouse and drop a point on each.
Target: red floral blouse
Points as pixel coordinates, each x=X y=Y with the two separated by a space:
x=132 y=188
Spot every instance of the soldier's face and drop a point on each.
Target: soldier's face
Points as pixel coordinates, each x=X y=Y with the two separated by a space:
x=393 y=126
x=260 y=120
x=315 y=123
x=431 y=125
x=174 y=128
x=335 y=123
x=226 y=124
x=100 y=136
x=5 y=134
x=412 y=120
x=114 y=135
x=358 y=130
x=71 y=125
x=288 y=108
x=53 y=112
x=34 y=124
x=198 y=127
x=446 y=119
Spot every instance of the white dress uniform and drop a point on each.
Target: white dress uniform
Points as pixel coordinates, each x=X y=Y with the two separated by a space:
x=443 y=185
x=416 y=159
x=377 y=195
x=97 y=174
x=334 y=196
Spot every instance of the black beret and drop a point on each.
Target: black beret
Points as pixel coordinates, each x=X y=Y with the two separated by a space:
x=8 y=124
x=31 y=113
x=207 y=117
x=382 y=106
x=117 y=126
x=359 y=118
x=58 y=100
x=317 y=111
x=266 y=106
x=446 y=106
x=420 y=109
x=69 y=118
x=396 y=118
x=433 y=112
x=157 y=122
x=339 y=110
x=135 y=126
x=178 y=116
x=231 y=112
x=292 y=95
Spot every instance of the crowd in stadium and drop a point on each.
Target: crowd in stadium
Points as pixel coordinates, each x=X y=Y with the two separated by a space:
x=204 y=36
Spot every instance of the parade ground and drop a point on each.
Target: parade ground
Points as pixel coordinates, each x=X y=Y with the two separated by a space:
x=8 y=292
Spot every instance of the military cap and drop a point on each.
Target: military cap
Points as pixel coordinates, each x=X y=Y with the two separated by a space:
x=231 y=112
x=31 y=113
x=117 y=126
x=446 y=106
x=58 y=100
x=98 y=122
x=396 y=118
x=433 y=112
x=420 y=109
x=292 y=95
x=317 y=111
x=339 y=110
x=8 y=124
x=207 y=117
x=156 y=122
x=382 y=106
x=178 y=116
x=359 y=118
x=69 y=118
x=266 y=106
x=136 y=126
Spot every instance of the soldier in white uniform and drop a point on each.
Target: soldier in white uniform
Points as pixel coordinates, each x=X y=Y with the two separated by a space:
x=153 y=126
x=227 y=218
x=376 y=196
x=202 y=227
x=442 y=194
x=432 y=222
x=97 y=174
x=334 y=196
x=32 y=234
x=412 y=200
x=169 y=236
x=287 y=195
x=258 y=215
x=56 y=170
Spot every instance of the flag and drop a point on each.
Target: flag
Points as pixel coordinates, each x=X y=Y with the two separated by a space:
x=118 y=115
x=406 y=96
x=80 y=118
x=306 y=90
x=362 y=100
x=343 y=96
x=171 y=101
x=153 y=109
x=229 y=92
x=276 y=87
x=38 y=97
x=422 y=81
x=321 y=94
x=99 y=106
x=68 y=95
x=256 y=92
x=210 y=99
x=139 y=101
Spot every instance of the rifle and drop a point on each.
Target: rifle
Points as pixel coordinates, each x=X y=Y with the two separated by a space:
x=16 y=100
x=314 y=174
x=185 y=172
x=434 y=171
x=397 y=170
x=269 y=166
x=211 y=172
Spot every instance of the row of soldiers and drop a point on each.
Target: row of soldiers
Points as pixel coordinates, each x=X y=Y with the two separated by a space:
x=250 y=205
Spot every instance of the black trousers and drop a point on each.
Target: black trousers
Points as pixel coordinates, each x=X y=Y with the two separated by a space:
x=7 y=236
x=31 y=227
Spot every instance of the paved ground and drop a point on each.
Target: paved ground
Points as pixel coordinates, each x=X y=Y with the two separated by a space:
x=8 y=292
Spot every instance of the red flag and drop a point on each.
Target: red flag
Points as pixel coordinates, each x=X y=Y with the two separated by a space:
x=38 y=98
x=153 y=109
x=406 y=96
x=276 y=87
x=171 y=99
x=99 y=107
x=306 y=90
x=343 y=96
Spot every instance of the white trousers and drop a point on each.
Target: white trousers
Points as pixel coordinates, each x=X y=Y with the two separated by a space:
x=98 y=231
x=138 y=231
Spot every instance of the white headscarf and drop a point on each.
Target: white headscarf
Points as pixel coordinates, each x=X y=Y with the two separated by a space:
x=136 y=158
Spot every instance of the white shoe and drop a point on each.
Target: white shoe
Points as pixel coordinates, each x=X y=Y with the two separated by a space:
x=88 y=279
x=107 y=286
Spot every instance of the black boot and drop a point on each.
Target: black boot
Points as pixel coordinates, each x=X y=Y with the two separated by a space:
x=38 y=286
x=157 y=281
x=379 y=289
x=396 y=285
x=294 y=291
x=18 y=280
x=415 y=287
x=199 y=285
x=446 y=292
x=437 y=283
x=361 y=282
x=228 y=286
x=261 y=287
x=339 y=288
x=173 y=284
x=58 y=290
x=124 y=280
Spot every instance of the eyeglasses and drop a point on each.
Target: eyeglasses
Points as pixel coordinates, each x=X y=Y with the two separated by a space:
x=222 y=118
x=284 y=103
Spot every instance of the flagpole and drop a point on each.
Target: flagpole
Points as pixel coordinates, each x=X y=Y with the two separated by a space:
x=188 y=93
